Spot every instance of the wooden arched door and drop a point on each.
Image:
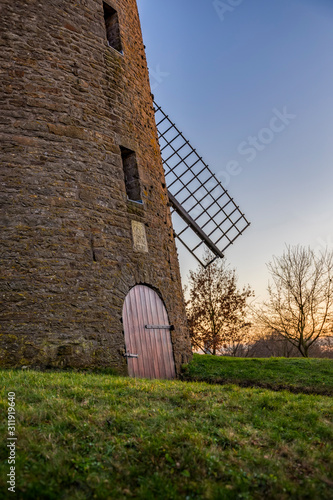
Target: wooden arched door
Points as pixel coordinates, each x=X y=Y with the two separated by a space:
x=147 y=335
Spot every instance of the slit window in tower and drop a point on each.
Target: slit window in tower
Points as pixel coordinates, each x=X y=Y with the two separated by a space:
x=131 y=174
x=112 y=27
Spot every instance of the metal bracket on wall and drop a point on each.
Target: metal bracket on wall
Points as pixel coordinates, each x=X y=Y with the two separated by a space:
x=207 y=217
x=128 y=355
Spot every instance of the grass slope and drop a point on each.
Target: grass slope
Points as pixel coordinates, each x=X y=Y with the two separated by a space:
x=309 y=376
x=83 y=436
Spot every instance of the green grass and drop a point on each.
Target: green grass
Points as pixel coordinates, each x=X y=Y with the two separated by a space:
x=309 y=376
x=83 y=436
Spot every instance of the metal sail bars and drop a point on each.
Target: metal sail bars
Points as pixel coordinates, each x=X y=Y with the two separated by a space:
x=207 y=216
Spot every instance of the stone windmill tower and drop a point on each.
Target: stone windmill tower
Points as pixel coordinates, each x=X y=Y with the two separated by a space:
x=90 y=274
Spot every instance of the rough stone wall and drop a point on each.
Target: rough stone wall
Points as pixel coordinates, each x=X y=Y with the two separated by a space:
x=68 y=102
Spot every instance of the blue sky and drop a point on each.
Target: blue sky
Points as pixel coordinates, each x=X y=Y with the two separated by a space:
x=222 y=74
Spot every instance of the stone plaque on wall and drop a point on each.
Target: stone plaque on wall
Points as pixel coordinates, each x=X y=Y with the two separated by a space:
x=139 y=237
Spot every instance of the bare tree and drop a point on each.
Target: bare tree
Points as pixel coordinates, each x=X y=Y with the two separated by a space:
x=272 y=344
x=216 y=308
x=240 y=342
x=300 y=297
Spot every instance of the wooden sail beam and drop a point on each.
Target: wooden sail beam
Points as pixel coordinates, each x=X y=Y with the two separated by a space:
x=196 y=195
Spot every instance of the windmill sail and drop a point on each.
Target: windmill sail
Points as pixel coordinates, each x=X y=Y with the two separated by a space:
x=207 y=216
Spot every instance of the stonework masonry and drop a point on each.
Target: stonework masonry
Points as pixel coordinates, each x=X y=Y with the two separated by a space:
x=70 y=104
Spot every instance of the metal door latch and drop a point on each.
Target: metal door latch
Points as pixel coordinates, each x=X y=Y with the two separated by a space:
x=128 y=355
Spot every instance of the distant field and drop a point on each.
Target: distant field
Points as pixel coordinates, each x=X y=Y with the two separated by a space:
x=85 y=436
x=309 y=376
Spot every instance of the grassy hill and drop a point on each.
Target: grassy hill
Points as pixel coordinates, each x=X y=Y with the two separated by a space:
x=84 y=435
x=299 y=375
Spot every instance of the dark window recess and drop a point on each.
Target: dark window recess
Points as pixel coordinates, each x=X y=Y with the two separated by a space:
x=112 y=27
x=131 y=174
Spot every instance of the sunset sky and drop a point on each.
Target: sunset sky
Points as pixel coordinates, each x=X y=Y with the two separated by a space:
x=223 y=75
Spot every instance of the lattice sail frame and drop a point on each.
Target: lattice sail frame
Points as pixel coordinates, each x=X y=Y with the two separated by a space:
x=207 y=216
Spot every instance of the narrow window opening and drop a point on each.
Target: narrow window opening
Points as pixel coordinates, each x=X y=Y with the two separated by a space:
x=112 y=27
x=131 y=174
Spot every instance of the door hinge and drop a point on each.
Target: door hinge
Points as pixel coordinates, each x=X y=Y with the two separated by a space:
x=128 y=355
x=159 y=327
